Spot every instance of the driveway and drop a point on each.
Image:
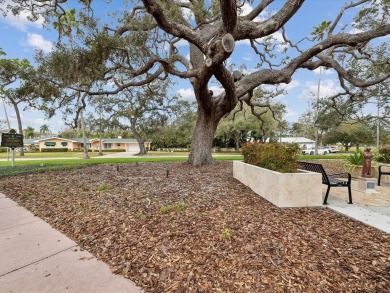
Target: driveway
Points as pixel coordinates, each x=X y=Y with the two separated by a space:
x=117 y=155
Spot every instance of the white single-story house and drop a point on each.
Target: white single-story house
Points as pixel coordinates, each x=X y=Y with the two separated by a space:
x=301 y=141
x=127 y=144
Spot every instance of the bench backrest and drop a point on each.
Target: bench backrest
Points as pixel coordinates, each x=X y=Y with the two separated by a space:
x=314 y=167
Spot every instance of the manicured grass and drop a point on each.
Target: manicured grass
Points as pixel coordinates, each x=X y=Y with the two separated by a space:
x=28 y=155
x=32 y=166
x=43 y=163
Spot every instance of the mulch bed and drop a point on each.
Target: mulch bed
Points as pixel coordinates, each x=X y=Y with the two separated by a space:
x=197 y=229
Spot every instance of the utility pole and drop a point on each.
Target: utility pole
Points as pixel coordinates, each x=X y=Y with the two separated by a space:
x=316 y=113
x=377 y=126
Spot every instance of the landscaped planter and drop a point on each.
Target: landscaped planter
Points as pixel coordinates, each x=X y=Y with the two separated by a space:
x=303 y=189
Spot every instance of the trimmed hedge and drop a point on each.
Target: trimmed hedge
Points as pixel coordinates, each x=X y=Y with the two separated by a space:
x=114 y=151
x=274 y=156
x=54 y=150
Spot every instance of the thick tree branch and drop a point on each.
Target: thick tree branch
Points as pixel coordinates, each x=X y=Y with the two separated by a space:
x=257 y=10
x=253 y=30
x=229 y=15
x=171 y=27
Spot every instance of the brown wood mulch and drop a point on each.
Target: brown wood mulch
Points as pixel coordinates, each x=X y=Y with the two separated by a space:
x=200 y=230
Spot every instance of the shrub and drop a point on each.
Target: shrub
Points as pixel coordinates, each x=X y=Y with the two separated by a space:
x=276 y=157
x=356 y=158
x=384 y=155
x=53 y=150
x=114 y=151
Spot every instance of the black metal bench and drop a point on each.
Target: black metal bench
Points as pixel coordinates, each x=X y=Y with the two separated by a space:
x=331 y=180
x=382 y=173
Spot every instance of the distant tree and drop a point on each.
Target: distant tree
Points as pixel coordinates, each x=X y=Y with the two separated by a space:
x=29 y=132
x=14 y=75
x=350 y=135
x=174 y=130
x=44 y=129
x=140 y=103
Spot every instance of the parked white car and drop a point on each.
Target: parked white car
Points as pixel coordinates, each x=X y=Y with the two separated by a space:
x=311 y=151
x=333 y=150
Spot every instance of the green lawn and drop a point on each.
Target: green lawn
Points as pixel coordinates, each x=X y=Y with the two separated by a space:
x=39 y=165
x=43 y=163
x=47 y=155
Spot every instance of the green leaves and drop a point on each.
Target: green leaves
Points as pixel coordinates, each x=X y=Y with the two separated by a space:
x=320 y=30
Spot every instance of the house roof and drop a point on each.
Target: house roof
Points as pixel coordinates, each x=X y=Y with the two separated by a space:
x=296 y=140
x=78 y=139
x=29 y=141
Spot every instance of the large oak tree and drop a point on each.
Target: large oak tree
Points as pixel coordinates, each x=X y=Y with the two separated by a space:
x=149 y=32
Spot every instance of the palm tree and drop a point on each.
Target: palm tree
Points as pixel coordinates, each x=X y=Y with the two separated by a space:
x=44 y=129
x=29 y=132
x=318 y=34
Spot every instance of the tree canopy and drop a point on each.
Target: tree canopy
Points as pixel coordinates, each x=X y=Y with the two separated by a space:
x=143 y=44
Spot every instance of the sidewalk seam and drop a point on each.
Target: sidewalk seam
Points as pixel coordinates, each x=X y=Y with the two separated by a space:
x=14 y=270
x=20 y=225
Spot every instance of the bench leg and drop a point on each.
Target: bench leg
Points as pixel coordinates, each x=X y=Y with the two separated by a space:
x=326 y=195
x=349 y=194
x=379 y=179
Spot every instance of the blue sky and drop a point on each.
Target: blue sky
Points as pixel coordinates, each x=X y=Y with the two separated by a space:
x=20 y=38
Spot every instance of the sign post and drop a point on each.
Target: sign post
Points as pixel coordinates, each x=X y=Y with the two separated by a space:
x=12 y=140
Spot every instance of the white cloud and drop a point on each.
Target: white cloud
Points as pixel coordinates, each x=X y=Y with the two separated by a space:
x=188 y=13
x=293 y=84
x=247 y=8
x=328 y=88
x=21 y=22
x=324 y=71
x=277 y=39
x=216 y=90
x=290 y=113
x=355 y=31
x=243 y=42
x=187 y=94
x=37 y=41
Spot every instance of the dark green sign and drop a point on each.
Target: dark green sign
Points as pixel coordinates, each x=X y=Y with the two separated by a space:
x=11 y=140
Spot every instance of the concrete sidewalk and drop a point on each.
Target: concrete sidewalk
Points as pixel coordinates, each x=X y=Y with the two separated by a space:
x=372 y=209
x=34 y=257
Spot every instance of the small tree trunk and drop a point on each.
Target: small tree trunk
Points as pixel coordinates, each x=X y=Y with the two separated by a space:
x=137 y=136
x=85 y=148
x=20 y=127
x=202 y=139
x=237 y=139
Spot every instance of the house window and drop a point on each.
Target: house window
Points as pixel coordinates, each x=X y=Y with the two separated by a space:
x=107 y=146
x=50 y=144
x=64 y=143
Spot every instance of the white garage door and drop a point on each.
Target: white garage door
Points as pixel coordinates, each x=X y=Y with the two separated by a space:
x=133 y=147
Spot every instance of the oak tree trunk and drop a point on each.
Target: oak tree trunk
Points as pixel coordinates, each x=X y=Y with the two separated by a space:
x=137 y=136
x=202 y=139
x=85 y=147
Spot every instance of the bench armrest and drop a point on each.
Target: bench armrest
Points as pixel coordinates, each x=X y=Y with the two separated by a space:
x=342 y=175
x=384 y=171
